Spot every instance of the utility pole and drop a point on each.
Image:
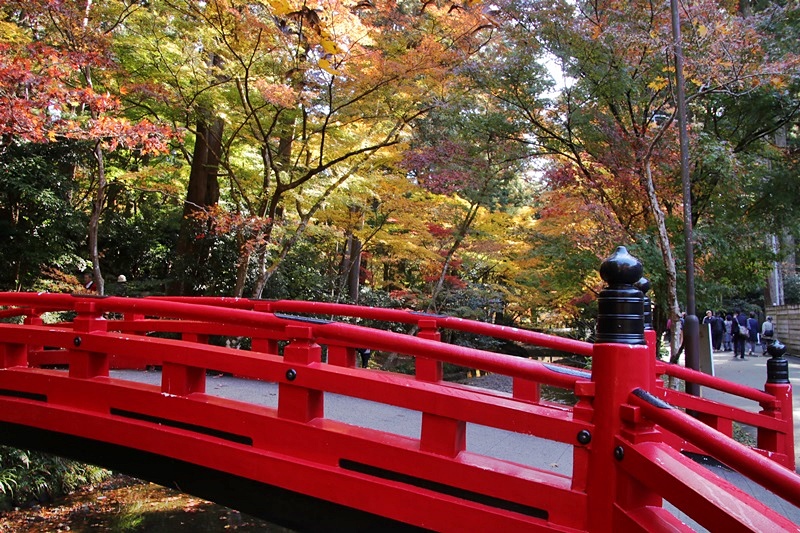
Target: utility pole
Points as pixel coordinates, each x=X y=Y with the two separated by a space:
x=691 y=334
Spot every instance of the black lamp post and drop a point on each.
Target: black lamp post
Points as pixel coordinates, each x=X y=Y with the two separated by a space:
x=691 y=334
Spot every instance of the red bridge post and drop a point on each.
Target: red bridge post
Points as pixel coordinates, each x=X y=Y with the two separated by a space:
x=33 y=319
x=427 y=369
x=13 y=355
x=82 y=363
x=778 y=385
x=266 y=344
x=17 y=354
x=621 y=363
x=182 y=380
x=440 y=435
x=296 y=402
x=650 y=336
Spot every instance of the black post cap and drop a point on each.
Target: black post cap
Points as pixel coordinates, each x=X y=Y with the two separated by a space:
x=620 y=317
x=777 y=366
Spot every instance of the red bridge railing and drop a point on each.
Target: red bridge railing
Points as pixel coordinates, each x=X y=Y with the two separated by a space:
x=625 y=439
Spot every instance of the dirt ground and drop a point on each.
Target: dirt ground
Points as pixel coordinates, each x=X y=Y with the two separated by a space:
x=124 y=504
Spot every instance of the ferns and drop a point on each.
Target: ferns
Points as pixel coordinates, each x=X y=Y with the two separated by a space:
x=27 y=476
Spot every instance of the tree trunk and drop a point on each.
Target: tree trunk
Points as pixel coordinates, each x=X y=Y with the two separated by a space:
x=459 y=239
x=344 y=266
x=241 y=267
x=354 y=274
x=202 y=192
x=667 y=257
x=94 y=219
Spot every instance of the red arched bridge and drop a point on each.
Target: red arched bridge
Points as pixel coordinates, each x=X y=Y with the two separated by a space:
x=628 y=435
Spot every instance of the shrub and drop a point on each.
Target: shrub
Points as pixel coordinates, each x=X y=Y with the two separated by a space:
x=28 y=477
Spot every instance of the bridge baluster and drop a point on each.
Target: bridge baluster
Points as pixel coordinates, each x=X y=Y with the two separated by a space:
x=13 y=355
x=265 y=345
x=583 y=410
x=295 y=401
x=440 y=435
x=778 y=385
x=428 y=369
x=182 y=380
x=33 y=319
x=621 y=363
x=82 y=363
x=341 y=355
x=195 y=337
x=525 y=389
x=649 y=333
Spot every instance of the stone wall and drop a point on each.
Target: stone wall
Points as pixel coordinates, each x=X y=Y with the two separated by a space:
x=787 y=326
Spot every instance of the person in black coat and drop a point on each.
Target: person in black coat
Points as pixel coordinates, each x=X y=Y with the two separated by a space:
x=717 y=331
x=752 y=339
x=739 y=339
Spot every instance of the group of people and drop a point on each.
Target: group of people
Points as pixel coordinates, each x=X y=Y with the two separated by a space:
x=90 y=286
x=739 y=333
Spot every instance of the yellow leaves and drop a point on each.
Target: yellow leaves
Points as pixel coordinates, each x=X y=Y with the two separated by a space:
x=325 y=65
x=702 y=31
x=778 y=82
x=315 y=19
x=280 y=7
x=329 y=46
x=12 y=34
x=658 y=83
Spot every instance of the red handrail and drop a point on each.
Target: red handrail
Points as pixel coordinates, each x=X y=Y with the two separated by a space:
x=349 y=334
x=737 y=456
x=395 y=315
x=706 y=380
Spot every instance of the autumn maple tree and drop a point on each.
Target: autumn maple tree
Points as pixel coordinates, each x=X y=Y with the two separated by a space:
x=55 y=81
x=609 y=131
x=293 y=101
x=467 y=150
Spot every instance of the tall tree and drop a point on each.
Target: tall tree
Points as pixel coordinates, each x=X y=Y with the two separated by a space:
x=55 y=87
x=310 y=97
x=466 y=149
x=610 y=128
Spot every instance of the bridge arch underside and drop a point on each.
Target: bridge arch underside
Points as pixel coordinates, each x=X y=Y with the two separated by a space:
x=274 y=504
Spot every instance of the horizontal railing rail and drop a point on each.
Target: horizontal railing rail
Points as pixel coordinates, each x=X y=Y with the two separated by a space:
x=716 y=415
x=768 y=474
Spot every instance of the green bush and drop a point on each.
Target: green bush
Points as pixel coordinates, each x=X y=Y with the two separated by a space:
x=28 y=477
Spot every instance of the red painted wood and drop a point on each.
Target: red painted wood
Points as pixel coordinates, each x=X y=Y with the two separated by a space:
x=739 y=457
x=295 y=447
x=296 y=400
x=617 y=370
x=13 y=355
x=781 y=439
x=709 y=500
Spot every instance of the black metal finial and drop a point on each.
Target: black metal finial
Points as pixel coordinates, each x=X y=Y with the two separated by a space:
x=777 y=366
x=644 y=285
x=620 y=316
x=621 y=268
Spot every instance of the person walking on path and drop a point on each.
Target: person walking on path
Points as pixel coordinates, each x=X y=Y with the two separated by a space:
x=752 y=339
x=727 y=337
x=740 y=334
x=767 y=334
x=714 y=334
x=717 y=331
